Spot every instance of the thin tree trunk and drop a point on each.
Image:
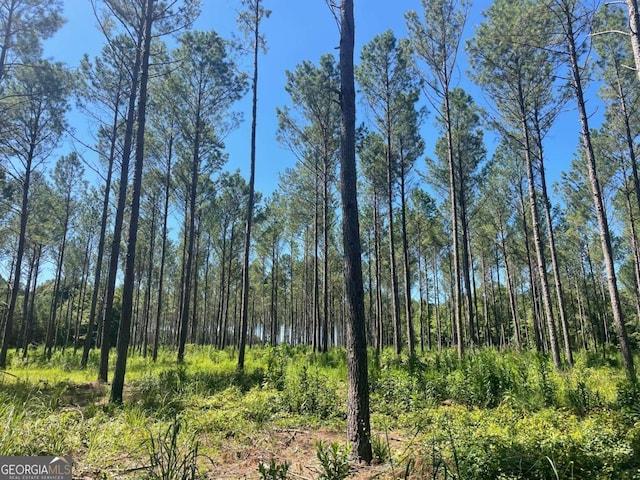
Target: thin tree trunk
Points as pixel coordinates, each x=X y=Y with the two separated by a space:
x=147 y=294
x=537 y=241
x=552 y=245
x=467 y=264
x=378 y=254
x=7 y=337
x=358 y=425
x=117 y=385
x=453 y=198
x=25 y=300
x=325 y=253
x=190 y=252
x=119 y=219
x=83 y=293
x=244 y=305
x=6 y=40
x=605 y=236
x=88 y=341
x=513 y=304
x=411 y=336
x=31 y=316
x=163 y=252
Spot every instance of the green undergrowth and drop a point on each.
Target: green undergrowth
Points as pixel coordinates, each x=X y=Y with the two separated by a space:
x=491 y=414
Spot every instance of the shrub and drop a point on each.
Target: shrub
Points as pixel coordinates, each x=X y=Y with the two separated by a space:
x=306 y=392
x=628 y=398
x=334 y=460
x=275 y=470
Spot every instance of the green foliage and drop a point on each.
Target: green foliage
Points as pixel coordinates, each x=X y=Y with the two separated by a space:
x=169 y=459
x=274 y=471
x=628 y=398
x=276 y=366
x=580 y=397
x=547 y=388
x=160 y=392
x=381 y=449
x=307 y=392
x=334 y=460
x=491 y=414
x=479 y=444
x=482 y=380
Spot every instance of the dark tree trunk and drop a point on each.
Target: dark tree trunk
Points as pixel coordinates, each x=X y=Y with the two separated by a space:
x=191 y=234
x=31 y=315
x=395 y=301
x=147 y=293
x=163 y=252
x=6 y=40
x=25 y=300
x=56 y=288
x=244 y=304
x=378 y=272
x=411 y=335
x=88 y=341
x=119 y=219
x=7 y=337
x=117 y=385
x=358 y=425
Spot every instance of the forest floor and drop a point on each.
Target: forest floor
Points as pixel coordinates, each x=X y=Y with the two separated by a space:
x=491 y=415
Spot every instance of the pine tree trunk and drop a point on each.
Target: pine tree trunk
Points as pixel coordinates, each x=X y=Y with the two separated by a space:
x=537 y=241
x=31 y=316
x=325 y=254
x=378 y=272
x=358 y=425
x=119 y=219
x=411 y=336
x=634 y=25
x=190 y=252
x=7 y=337
x=58 y=278
x=117 y=385
x=88 y=341
x=552 y=245
x=513 y=304
x=244 y=305
x=163 y=251
x=605 y=236
x=453 y=198
x=467 y=264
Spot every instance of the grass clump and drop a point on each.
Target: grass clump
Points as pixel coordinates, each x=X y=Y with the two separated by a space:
x=168 y=458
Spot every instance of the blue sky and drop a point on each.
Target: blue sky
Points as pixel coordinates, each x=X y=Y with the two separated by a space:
x=297 y=30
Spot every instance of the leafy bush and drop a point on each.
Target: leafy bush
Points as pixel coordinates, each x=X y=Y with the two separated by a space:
x=307 y=392
x=549 y=444
x=334 y=460
x=482 y=381
x=580 y=398
x=275 y=470
x=628 y=398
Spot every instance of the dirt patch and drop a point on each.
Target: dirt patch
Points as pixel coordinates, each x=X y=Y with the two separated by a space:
x=297 y=448
x=83 y=394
